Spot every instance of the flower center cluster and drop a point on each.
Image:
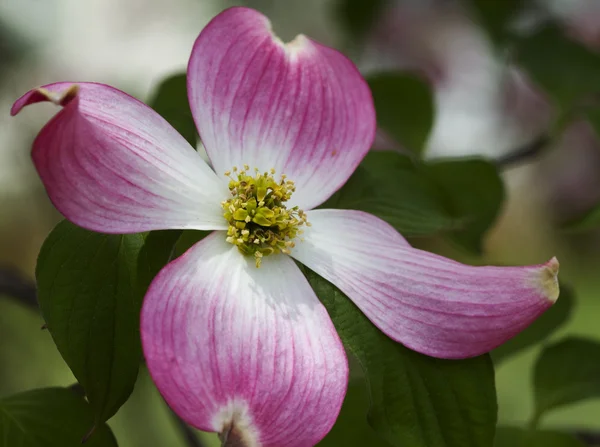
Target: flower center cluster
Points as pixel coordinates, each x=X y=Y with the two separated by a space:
x=259 y=222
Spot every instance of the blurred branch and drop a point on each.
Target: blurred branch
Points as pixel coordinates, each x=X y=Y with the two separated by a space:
x=524 y=153
x=15 y=285
x=589 y=438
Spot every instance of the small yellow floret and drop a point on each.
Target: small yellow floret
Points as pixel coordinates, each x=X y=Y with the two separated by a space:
x=259 y=222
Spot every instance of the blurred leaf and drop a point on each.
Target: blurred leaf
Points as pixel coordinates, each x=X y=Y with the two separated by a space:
x=592 y=114
x=389 y=185
x=171 y=102
x=351 y=427
x=473 y=193
x=16 y=46
x=50 y=417
x=88 y=297
x=358 y=16
x=415 y=400
x=404 y=106
x=495 y=15
x=158 y=250
x=565 y=373
x=589 y=221
x=567 y=71
x=540 y=329
x=520 y=437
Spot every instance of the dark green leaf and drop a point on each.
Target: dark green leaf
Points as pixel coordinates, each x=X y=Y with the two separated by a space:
x=586 y=222
x=351 y=427
x=187 y=239
x=567 y=71
x=358 y=16
x=520 y=437
x=415 y=400
x=389 y=185
x=89 y=299
x=171 y=102
x=565 y=373
x=495 y=15
x=540 y=329
x=50 y=417
x=404 y=106
x=473 y=193
x=426 y=199
x=158 y=250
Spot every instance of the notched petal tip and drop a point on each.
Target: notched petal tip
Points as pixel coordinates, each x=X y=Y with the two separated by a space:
x=548 y=280
x=236 y=427
x=293 y=47
x=233 y=436
x=60 y=98
x=298 y=44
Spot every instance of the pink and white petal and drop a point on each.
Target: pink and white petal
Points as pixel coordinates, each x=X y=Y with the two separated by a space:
x=301 y=107
x=111 y=164
x=243 y=351
x=429 y=303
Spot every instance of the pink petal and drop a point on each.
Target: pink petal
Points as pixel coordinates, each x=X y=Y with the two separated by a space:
x=431 y=304
x=233 y=347
x=301 y=107
x=111 y=164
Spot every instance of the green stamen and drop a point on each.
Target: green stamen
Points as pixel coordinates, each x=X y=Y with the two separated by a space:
x=259 y=222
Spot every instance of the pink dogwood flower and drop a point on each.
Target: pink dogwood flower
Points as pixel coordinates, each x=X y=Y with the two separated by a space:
x=234 y=337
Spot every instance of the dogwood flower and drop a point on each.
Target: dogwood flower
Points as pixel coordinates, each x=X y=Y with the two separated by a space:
x=234 y=337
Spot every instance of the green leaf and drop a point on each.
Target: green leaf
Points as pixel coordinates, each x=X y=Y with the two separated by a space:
x=495 y=15
x=426 y=199
x=50 y=417
x=520 y=437
x=357 y=17
x=415 y=400
x=188 y=239
x=158 y=250
x=473 y=193
x=540 y=329
x=351 y=427
x=565 y=373
x=88 y=295
x=171 y=102
x=405 y=108
x=567 y=71
x=390 y=186
x=587 y=222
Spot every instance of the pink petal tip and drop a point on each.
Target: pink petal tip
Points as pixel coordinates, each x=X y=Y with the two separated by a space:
x=61 y=97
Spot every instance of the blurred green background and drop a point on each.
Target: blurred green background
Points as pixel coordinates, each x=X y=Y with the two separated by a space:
x=481 y=108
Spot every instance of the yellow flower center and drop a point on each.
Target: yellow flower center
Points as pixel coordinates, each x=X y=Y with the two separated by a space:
x=259 y=222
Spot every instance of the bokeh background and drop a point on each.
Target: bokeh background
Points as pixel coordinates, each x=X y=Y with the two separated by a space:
x=482 y=108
